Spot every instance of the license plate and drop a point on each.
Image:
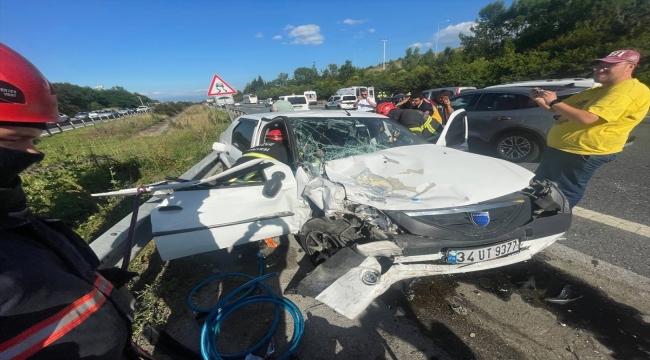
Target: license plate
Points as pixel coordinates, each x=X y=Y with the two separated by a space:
x=484 y=253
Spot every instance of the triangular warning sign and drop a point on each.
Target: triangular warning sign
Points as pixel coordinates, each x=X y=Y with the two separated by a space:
x=220 y=87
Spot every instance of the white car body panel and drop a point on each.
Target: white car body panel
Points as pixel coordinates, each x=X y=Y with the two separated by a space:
x=350 y=296
x=410 y=178
x=196 y=221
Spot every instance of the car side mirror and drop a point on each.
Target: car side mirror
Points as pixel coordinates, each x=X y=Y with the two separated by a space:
x=273 y=185
x=219 y=147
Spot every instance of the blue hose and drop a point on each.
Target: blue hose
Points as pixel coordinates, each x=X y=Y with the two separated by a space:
x=218 y=314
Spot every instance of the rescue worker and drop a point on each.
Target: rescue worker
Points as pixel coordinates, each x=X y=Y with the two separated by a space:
x=272 y=149
x=54 y=304
x=418 y=122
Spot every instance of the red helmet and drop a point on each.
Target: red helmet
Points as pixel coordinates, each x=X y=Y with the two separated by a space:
x=25 y=94
x=385 y=107
x=274 y=135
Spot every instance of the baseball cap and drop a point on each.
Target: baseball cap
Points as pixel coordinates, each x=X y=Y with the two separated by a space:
x=275 y=98
x=618 y=56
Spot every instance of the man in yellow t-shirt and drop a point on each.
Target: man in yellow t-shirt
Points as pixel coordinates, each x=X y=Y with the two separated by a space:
x=593 y=125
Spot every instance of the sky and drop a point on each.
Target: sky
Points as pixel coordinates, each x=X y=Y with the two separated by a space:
x=170 y=50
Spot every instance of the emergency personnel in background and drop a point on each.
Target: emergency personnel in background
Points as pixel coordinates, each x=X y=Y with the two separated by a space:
x=418 y=122
x=417 y=102
x=54 y=304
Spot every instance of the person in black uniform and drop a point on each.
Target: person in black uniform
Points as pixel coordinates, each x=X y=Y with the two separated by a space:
x=418 y=122
x=273 y=148
x=54 y=303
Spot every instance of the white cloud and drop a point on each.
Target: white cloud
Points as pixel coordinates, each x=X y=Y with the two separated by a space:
x=201 y=90
x=259 y=35
x=306 y=34
x=288 y=27
x=451 y=32
x=353 y=22
x=277 y=37
x=420 y=45
x=156 y=93
x=371 y=30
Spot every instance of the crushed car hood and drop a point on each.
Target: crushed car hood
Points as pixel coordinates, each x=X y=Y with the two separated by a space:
x=425 y=177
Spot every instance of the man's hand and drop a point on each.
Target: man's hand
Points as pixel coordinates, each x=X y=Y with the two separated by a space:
x=536 y=95
x=548 y=96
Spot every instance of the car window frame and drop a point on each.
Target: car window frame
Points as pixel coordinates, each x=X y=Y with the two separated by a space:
x=471 y=103
x=244 y=122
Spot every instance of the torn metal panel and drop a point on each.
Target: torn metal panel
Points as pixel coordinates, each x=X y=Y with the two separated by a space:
x=349 y=294
x=424 y=177
x=325 y=194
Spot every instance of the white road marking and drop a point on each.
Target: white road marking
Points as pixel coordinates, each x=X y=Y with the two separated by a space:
x=622 y=224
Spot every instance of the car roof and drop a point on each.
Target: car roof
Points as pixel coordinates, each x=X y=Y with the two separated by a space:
x=516 y=90
x=568 y=82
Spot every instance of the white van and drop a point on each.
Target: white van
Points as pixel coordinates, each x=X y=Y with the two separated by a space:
x=356 y=91
x=311 y=97
x=299 y=102
x=250 y=99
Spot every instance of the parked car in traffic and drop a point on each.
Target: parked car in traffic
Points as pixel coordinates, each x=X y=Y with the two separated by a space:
x=124 y=111
x=82 y=115
x=369 y=202
x=142 y=109
x=551 y=84
x=432 y=94
x=507 y=119
x=341 y=102
x=93 y=114
x=63 y=117
x=108 y=113
x=299 y=102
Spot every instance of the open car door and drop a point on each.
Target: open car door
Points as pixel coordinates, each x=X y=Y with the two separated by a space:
x=230 y=212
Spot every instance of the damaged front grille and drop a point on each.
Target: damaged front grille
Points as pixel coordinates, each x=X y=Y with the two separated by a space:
x=499 y=216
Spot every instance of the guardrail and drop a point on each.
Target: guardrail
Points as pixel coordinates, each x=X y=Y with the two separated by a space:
x=100 y=118
x=109 y=247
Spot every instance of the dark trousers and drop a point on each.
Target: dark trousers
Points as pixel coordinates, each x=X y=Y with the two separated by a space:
x=571 y=172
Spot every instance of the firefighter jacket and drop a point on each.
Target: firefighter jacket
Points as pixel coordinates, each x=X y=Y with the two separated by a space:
x=54 y=304
x=418 y=122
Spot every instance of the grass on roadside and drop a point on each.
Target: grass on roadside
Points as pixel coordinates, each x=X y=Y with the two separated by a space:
x=108 y=156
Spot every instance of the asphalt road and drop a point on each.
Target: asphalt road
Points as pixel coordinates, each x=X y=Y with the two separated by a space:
x=617 y=189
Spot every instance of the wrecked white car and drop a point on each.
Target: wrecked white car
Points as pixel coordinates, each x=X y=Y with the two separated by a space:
x=370 y=203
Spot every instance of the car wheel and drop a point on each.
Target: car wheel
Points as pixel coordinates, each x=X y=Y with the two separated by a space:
x=321 y=238
x=517 y=147
x=338 y=107
x=327 y=107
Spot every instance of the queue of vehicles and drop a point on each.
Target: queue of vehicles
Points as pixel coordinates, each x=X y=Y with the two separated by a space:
x=502 y=117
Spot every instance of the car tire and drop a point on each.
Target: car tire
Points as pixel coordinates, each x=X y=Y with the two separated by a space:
x=321 y=238
x=338 y=107
x=517 y=147
x=327 y=107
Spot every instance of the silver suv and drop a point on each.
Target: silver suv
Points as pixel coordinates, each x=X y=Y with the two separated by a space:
x=507 y=119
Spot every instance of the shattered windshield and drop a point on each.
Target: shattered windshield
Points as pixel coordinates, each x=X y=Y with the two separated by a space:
x=323 y=139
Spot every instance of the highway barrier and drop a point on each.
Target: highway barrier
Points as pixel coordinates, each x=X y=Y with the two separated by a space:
x=89 y=121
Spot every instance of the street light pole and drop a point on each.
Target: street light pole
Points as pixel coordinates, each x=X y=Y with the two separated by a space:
x=437 y=34
x=384 y=41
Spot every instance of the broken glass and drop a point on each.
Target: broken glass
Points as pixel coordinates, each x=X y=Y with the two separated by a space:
x=323 y=139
